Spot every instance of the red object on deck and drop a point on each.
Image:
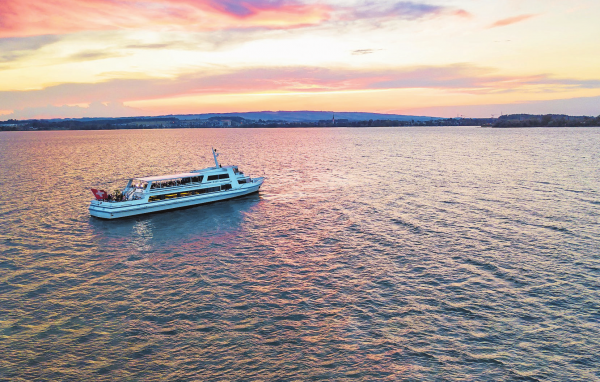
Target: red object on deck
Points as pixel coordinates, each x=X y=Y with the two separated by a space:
x=99 y=194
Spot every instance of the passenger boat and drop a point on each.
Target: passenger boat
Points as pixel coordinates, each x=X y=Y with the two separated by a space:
x=160 y=193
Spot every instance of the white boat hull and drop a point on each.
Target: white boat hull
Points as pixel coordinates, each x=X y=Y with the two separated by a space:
x=111 y=210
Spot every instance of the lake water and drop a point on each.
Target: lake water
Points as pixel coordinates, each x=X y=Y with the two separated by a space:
x=369 y=254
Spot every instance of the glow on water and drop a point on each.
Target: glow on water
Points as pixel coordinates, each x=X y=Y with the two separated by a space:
x=369 y=254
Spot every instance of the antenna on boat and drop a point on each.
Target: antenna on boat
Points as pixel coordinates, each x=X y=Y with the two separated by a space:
x=215 y=155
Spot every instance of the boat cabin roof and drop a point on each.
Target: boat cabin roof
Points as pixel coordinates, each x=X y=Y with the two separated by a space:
x=167 y=177
x=210 y=170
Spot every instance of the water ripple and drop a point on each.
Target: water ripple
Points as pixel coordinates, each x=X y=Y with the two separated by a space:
x=370 y=254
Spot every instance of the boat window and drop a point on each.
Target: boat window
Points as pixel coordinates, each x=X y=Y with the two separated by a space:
x=171 y=183
x=226 y=187
x=139 y=184
x=215 y=177
x=206 y=190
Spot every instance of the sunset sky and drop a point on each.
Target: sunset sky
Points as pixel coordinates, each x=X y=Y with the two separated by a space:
x=97 y=58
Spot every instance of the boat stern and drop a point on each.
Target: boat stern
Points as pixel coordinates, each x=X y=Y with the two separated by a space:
x=114 y=210
x=100 y=209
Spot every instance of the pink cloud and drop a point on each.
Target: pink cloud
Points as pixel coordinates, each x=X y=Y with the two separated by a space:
x=38 y=17
x=19 y=18
x=511 y=20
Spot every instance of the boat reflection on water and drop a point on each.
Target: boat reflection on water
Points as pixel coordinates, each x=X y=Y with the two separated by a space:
x=173 y=231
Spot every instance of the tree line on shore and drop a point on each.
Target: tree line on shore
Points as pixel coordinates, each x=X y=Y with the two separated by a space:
x=505 y=121
x=548 y=120
x=165 y=123
x=92 y=124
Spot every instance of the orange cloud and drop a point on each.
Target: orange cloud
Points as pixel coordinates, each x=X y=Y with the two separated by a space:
x=41 y=17
x=462 y=13
x=511 y=20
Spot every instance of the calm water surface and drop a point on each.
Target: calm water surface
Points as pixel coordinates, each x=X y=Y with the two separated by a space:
x=369 y=254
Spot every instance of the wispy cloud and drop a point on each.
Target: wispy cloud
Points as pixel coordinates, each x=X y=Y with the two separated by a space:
x=406 y=10
x=95 y=109
x=92 y=55
x=361 y=52
x=460 y=77
x=18 y=47
x=512 y=20
x=248 y=8
x=149 y=46
x=570 y=106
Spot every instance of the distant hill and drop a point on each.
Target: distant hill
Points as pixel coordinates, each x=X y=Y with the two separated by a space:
x=306 y=116
x=287 y=116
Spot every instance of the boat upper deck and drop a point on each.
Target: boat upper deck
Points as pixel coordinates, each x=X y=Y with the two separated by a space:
x=167 y=177
x=206 y=171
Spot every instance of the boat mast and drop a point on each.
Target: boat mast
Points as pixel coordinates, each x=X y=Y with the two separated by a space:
x=215 y=155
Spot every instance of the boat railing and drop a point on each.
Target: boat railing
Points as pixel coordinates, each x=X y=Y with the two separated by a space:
x=158 y=189
x=190 y=184
x=122 y=199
